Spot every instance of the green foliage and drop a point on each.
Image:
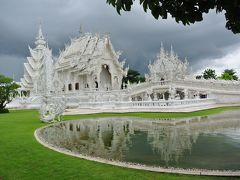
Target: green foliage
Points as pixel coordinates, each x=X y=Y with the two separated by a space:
x=186 y=11
x=4 y=111
x=229 y=74
x=209 y=74
x=7 y=91
x=199 y=77
x=133 y=76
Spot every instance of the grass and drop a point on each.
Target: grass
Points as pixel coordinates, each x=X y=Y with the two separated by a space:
x=21 y=157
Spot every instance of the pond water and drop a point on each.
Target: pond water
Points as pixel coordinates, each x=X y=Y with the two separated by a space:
x=209 y=142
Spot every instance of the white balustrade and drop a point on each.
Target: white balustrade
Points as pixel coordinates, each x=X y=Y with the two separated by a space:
x=147 y=104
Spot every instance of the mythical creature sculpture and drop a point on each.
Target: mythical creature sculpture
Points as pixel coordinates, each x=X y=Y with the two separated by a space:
x=52 y=109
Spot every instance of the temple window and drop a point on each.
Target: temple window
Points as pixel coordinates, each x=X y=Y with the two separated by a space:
x=203 y=96
x=69 y=87
x=77 y=86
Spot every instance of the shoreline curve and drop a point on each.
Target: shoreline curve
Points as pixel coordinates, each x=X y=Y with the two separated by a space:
x=199 y=172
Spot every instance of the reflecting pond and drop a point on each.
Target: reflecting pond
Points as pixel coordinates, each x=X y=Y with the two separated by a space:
x=208 y=142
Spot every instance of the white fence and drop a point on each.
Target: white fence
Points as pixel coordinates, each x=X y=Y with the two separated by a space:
x=146 y=104
x=213 y=85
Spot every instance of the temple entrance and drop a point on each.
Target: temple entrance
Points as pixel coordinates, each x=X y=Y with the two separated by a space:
x=96 y=84
x=105 y=78
x=166 y=95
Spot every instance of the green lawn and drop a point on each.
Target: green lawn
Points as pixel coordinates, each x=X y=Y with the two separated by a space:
x=21 y=157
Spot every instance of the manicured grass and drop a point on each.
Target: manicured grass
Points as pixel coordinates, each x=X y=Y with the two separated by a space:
x=21 y=157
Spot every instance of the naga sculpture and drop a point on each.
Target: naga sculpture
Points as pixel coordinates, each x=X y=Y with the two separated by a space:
x=52 y=109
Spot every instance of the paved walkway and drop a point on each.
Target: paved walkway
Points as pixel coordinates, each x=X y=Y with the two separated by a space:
x=145 y=109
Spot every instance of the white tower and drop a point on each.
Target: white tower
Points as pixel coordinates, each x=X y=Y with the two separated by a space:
x=38 y=71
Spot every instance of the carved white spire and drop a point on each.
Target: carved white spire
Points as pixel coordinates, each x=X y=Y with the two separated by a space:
x=167 y=66
x=162 y=52
x=80 y=30
x=40 y=40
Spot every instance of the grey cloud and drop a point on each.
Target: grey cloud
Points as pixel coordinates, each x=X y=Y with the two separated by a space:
x=11 y=66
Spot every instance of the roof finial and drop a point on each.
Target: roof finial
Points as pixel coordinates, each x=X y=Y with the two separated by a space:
x=40 y=40
x=172 y=51
x=40 y=34
x=162 y=51
x=80 y=30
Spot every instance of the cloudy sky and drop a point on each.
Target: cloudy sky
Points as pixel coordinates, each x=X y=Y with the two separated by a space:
x=138 y=35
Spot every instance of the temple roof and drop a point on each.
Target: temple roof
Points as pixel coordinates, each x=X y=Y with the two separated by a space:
x=87 y=45
x=86 y=50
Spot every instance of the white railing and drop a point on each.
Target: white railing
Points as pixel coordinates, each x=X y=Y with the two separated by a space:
x=146 y=104
x=210 y=84
x=205 y=85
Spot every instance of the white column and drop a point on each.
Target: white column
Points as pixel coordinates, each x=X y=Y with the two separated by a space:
x=155 y=96
x=185 y=94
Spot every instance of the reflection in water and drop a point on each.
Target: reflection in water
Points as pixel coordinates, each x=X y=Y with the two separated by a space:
x=198 y=142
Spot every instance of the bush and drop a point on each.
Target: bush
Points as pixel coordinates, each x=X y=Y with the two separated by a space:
x=4 y=111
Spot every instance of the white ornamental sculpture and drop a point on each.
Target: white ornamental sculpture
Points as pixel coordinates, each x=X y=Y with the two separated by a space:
x=52 y=109
x=167 y=67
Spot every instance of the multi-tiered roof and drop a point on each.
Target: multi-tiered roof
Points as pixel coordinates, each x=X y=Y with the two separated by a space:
x=37 y=66
x=86 y=51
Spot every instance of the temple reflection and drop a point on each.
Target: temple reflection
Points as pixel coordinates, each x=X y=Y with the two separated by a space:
x=112 y=137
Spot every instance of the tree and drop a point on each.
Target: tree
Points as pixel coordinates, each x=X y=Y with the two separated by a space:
x=209 y=74
x=199 y=77
x=8 y=90
x=186 y=11
x=229 y=74
x=133 y=76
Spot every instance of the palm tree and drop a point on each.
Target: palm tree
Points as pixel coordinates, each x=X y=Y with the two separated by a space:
x=229 y=74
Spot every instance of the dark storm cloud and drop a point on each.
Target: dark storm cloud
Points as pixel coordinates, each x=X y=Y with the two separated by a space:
x=135 y=33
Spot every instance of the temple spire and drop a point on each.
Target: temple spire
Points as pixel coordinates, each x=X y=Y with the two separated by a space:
x=81 y=30
x=172 y=54
x=162 y=52
x=40 y=34
x=40 y=40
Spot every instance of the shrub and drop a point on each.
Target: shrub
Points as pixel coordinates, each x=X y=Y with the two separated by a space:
x=4 y=111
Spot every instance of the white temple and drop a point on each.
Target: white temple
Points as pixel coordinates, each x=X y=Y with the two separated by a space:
x=38 y=71
x=88 y=74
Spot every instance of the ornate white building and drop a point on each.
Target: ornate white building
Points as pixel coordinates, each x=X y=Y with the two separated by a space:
x=167 y=66
x=38 y=71
x=88 y=73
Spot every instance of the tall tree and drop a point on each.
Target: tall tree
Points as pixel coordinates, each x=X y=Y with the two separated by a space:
x=186 y=11
x=209 y=74
x=229 y=74
x=8 y=90
x=133 y=76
